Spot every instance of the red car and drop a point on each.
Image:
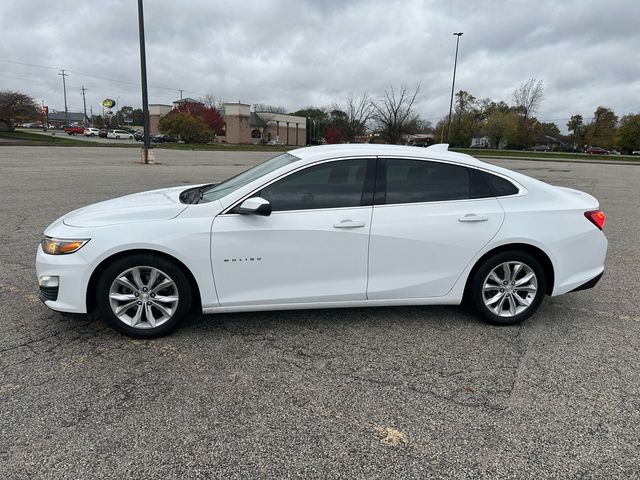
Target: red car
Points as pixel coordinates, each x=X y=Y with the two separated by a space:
x=74 y=130
x=596 y=151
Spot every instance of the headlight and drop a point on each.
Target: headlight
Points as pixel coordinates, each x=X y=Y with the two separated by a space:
x=57 y=246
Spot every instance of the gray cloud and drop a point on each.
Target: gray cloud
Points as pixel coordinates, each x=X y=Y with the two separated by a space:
x=299 y=53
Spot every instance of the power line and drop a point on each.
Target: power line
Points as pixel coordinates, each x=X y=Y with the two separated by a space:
x=85 y=74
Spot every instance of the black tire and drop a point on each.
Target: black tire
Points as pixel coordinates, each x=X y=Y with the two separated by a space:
x=482 y=273
x=144 y=261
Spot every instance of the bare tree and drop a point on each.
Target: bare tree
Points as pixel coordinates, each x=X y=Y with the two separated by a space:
x=526 y=100
x=394 y=112
x=263 y=107
x=358 y=112
x=212 y=101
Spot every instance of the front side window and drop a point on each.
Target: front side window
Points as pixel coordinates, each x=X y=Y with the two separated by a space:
x=329 y=185
x=414 y=181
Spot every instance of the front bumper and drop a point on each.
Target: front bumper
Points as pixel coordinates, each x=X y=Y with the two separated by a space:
x=70 y=294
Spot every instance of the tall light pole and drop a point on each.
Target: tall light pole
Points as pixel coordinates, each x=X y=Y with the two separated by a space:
x=453 y=84
x=145 y=96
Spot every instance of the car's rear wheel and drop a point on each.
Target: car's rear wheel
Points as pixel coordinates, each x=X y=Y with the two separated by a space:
x=143 y=295
x=508 y=288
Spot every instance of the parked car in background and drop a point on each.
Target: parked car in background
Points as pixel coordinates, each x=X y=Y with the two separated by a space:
x=614 y=152
x=74 y=130
x=357 y=225
x=103 y=133
x=635 y=152
x=139 y=135
x=91 y=132
x=160 y=138
x=119 y=134
x=541 y=148
x=596 y=151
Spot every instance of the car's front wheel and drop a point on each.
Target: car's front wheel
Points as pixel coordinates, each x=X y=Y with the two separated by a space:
x=143 y=295
x=508 y=287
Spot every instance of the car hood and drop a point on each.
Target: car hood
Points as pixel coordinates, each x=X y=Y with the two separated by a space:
x=162 y=204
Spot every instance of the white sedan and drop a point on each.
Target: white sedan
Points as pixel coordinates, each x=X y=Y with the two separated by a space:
x=327 y=227
x=118 y=134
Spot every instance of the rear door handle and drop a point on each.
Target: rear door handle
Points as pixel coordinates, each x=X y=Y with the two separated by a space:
x=472 y=217
x=349 y=224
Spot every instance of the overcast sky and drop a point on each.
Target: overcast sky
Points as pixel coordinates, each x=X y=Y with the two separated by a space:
x=314 y=52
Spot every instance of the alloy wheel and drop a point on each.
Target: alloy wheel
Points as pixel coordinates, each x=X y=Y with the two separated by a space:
x=509 y=289
x=143 y=297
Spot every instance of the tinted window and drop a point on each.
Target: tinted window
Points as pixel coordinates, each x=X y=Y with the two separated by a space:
x=329 y=185
x=500 y=186
x=480 y=187
x=410 y=181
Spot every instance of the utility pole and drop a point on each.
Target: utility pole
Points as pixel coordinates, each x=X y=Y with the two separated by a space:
x=181 y=93
x=145 y=96
x=84 y=103
x=455 y=64
x=64 y=89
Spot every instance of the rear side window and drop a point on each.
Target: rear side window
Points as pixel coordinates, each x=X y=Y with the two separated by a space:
x=412 y=181
x=480 y=186
x=500 y=186
x=329 y=185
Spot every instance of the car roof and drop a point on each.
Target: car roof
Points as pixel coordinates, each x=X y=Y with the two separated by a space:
x=435 y=152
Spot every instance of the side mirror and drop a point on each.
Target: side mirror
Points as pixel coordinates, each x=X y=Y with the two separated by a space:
x=255 y=206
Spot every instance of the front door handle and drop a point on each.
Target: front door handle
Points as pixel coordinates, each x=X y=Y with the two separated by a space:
x=349 y=224
x=472 y=217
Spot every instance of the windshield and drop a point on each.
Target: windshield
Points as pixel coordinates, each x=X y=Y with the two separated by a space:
x=232 y=184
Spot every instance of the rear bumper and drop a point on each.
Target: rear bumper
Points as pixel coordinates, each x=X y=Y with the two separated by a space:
x=590 y=283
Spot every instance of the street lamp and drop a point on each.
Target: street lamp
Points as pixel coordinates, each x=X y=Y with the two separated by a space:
x=143 y=75
x=453 y=84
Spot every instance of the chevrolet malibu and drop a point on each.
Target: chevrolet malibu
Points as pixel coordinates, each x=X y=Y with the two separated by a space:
x=327 y=227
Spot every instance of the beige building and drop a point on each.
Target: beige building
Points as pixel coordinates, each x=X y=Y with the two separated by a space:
x=243 y=126
x=156 y=112
x=237 y=123
x=283 y=128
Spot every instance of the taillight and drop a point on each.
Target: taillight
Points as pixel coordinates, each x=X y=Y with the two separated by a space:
x=597 y=217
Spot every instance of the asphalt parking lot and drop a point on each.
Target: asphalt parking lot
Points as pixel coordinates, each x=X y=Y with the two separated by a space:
x=419 y=392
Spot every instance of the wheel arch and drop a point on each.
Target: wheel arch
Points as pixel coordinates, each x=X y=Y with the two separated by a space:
x=532 y=250
x=90 y=297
